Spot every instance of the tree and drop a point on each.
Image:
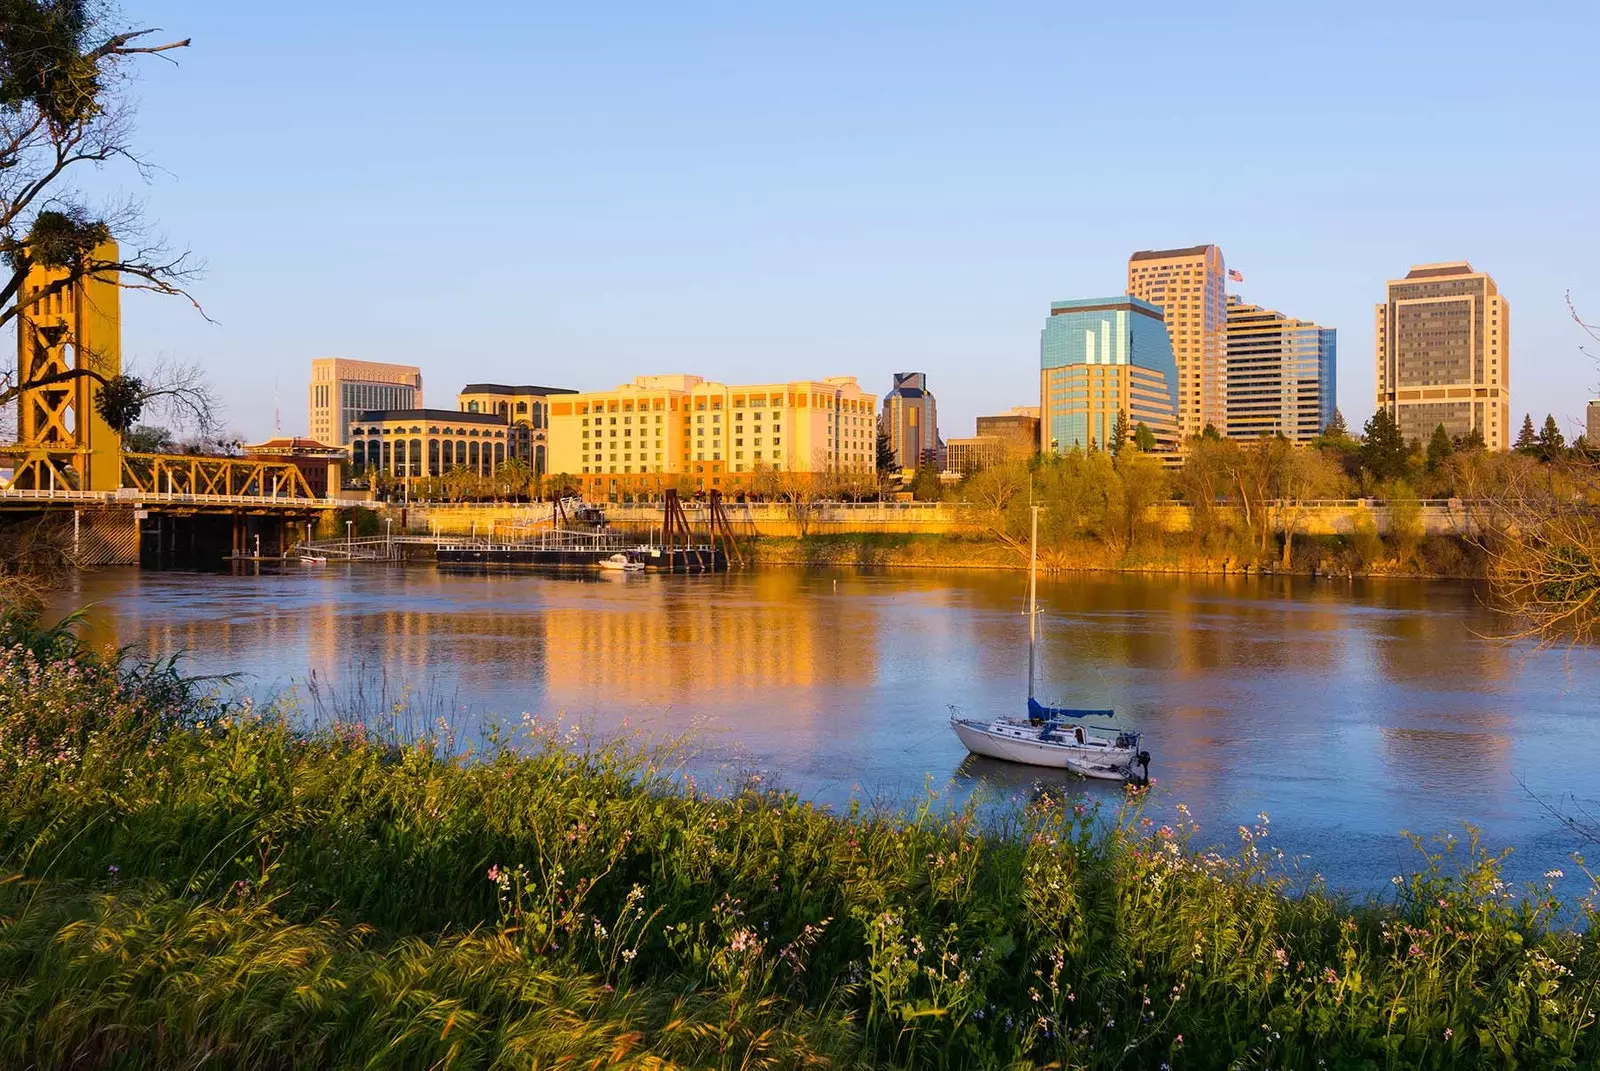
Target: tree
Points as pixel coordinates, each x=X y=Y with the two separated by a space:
x=145 y=439
x=63 y=109
x=1120 y=433
x=1336 y=428
x=1210 y=432
x=1383 y=448
x=1439 y=449
x=1527 y=442
x=1144 y=438
x=1551 y=444
x=887 y=462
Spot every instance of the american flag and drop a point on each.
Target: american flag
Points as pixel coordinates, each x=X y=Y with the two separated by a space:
x=1235 y=276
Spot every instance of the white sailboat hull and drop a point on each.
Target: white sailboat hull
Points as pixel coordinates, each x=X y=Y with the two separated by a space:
x=1009 y=743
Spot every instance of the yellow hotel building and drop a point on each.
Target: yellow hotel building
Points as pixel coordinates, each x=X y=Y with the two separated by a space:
x=696 y=435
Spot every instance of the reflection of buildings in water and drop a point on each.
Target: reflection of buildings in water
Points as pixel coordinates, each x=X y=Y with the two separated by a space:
x=1427 y=645
x=670 y=642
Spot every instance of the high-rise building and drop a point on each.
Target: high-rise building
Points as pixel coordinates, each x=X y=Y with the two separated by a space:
x=527 y=408
x=1592 y=433
x=1279 y=377
x=342 y=389
x=911 y=418
x=1017 y=431
x=1189 y=287
x=686 y=432
x=1099 y=357
x=1443 y=353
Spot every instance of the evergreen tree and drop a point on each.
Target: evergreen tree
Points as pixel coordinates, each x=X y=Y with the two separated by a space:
x=1210 y=432
x=1439 y=448
x=1336 y=428
x=1527 y=442
x=1143 y=437
x=1119 y=433
x=886 y=458
x=1552 y=444
x=1383 y=448
x=1472 y=440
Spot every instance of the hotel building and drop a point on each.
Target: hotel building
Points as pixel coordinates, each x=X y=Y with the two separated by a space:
x=1443 y=354
x=526 y=409
x=911 y=417
x=686 y=432
x=1188 y=285
x=1101 y=356
x=342 y=389
x=1280 y=374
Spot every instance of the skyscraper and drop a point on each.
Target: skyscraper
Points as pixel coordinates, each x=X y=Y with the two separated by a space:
x=1189 y=287
x=911 y=418
x=1592 y=431
x=1443 y=354
x=342 y=388
x=1099 y=357
x=1279 y=377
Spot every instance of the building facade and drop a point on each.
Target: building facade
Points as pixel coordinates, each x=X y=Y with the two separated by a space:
x=1443 y=354
x=1279 y=377
x=1189 y=286
x=322 y=465
x=1099 y=357
x=526 y=409
x=342 y=389
x=418 y=443
x=966 y=456
x=911 y=417
x=1592 y=430
x=1018 y=430
x=688 y=433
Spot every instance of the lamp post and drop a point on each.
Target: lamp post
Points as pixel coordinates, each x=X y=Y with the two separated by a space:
x=388 y=536
x=349 y=529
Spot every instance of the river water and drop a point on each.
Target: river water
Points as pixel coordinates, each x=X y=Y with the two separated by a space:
x=1348 y=711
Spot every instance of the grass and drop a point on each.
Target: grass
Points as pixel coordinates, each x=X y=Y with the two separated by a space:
x=189 y=883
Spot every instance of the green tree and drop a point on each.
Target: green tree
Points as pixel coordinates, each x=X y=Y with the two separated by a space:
x=1144 y=438
x=1119 y=433
x=1337 y=428
x=1551 y=443
x=147 y=439
x=1439 y=449
x=64 y=109
x=886 y=459
x=1527 y=442
x=1383 y=448
x=1210 y=432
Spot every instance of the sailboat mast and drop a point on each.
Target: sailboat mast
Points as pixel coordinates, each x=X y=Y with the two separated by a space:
x=1033 y=586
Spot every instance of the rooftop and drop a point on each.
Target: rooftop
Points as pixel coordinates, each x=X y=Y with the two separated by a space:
x=1428 y=271
x=501 y=388
x=1169 y=254
x=448 y=416
x=1119 y=302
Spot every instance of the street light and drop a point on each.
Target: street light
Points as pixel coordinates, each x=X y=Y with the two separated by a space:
x=388 y=535
x=349 y=527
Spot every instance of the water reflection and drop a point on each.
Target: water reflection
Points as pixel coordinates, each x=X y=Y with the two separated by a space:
x=1348 y=710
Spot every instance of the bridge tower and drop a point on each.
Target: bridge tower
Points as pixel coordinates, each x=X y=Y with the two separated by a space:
x=62 y=441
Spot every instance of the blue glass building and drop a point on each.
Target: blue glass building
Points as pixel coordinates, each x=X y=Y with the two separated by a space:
x=1099 y=356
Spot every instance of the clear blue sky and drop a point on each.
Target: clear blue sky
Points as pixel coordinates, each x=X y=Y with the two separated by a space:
x=574 y=194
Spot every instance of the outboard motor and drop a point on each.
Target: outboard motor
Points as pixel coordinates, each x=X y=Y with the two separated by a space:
x=1143 y=761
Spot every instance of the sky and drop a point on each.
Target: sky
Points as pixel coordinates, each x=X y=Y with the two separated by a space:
x=576 y=194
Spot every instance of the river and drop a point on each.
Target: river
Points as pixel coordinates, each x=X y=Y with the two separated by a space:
x=1348 y=711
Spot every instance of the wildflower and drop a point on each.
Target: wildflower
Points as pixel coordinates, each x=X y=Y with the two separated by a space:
x=628 y=954
x=1448 y=1033
x=1554 y=874
x=1397 y=880
x=1281 y=956
x=113 y=870
x=1330 y=976
x=494 y=873
x=1416 y=950
x=1178 y=1040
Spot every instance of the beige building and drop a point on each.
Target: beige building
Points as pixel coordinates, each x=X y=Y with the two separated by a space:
x=686 y=432
x=526 y=409
x=1443 y=354
x=418 y=443
x=911 y=419
x=342 y=389
x=967 y=456
x=1189 y=285
x=1592 y=432
x=1280 y=374
x=1017 y=430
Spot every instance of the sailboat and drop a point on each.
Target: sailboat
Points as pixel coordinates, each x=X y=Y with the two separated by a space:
x=1054 y=736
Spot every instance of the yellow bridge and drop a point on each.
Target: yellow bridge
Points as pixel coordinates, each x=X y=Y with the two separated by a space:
x=67 y=457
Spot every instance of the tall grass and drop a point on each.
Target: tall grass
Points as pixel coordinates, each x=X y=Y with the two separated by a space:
x=189 y=884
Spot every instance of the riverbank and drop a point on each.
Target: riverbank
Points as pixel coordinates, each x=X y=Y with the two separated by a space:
x=184 y=878
x=1434 y=557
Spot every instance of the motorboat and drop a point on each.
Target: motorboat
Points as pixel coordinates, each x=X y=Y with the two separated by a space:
x=1054 y=736
x=621 y=563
